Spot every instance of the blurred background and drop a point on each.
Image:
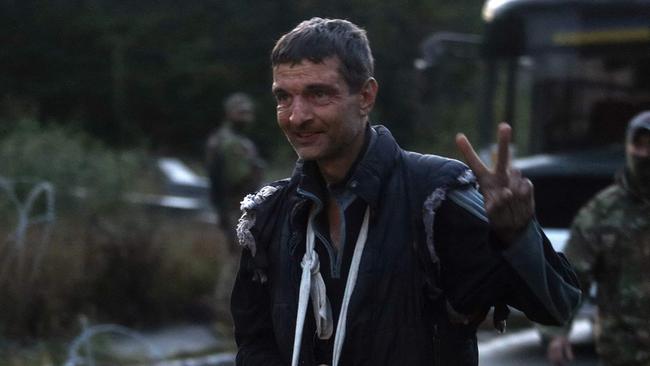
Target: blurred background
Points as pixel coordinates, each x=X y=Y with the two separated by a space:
x=108 y=242
x=105 y=108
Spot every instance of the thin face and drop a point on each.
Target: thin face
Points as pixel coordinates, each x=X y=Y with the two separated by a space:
x=243 y=114
x=317 y=113
x=640 y=145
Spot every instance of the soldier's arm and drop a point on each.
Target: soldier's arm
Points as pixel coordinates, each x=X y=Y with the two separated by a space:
x=582 y=246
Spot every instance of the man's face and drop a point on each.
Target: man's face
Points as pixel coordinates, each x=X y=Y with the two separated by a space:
x=638 y=154
x=640 y=144
x=243 y=114
x=321 y=119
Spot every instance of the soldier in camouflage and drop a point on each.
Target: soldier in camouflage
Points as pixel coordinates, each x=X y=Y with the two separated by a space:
x=610 y=245
x=233 y=164
x=235 y=170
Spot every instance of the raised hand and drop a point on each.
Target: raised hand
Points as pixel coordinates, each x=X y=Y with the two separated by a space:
x=509 y=200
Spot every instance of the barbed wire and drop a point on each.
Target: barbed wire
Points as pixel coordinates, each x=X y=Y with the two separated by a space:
x=83 y=342
x=16 y=241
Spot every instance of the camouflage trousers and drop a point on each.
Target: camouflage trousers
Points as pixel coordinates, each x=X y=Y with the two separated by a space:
x=229 y=265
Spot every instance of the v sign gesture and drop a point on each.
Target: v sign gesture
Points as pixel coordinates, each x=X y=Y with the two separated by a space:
x=509 y=200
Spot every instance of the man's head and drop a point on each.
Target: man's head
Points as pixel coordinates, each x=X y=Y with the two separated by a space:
x=637 y=148
x=317 y=39
x=239 y=109
x=323 y=85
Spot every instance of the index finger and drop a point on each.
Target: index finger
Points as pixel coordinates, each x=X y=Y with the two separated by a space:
x=471 y=157
x=504 y=134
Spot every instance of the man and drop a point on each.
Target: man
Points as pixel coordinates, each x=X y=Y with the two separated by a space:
x=610 y=245
x=234 y=170
x=390 y=249
x=233 y=164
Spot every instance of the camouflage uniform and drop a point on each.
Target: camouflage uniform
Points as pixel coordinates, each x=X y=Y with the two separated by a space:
x=235 y=170
x=610 y=245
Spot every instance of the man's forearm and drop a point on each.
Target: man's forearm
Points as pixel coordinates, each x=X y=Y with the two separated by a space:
x=546 y=274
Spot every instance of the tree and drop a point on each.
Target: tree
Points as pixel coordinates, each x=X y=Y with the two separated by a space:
x=157 y=71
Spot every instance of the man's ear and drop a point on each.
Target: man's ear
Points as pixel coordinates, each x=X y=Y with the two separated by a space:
x=367 y=96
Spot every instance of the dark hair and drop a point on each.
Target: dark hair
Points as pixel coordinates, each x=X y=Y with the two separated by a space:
x=317 y=39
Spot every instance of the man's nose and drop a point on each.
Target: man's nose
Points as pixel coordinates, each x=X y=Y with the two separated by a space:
x=301 y=111
x=642 y=148
x=644 y=151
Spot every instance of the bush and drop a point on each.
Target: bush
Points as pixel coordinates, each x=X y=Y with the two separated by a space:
x=74 y=163
x=97 y=254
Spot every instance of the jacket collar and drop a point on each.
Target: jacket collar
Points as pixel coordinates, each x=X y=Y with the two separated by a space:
x=367 y=174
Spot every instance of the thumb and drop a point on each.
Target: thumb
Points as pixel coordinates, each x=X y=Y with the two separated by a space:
x=569 y=352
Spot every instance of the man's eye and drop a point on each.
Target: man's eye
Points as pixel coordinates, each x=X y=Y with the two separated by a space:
x=321 y=97
x=282 y=99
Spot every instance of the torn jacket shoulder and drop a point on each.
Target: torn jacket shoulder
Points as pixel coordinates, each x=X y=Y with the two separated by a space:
x=257 y=209
x=470 y=199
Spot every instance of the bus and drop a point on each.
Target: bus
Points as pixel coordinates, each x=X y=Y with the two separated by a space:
x=568 y=75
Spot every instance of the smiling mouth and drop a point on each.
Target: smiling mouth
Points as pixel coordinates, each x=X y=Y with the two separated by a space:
x=305 y=135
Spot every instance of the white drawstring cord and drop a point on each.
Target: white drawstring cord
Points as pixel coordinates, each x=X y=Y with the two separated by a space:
x=320 y=303
x=349 y=288
x=318 y=293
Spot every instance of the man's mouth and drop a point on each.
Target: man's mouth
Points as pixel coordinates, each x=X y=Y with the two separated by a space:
x=305 y=137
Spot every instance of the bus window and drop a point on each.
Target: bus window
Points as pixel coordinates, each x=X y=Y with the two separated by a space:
x=578 y=102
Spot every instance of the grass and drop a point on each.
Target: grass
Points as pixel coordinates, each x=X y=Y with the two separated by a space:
x=101 y=257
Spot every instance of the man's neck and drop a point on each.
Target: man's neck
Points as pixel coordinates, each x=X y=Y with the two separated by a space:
x=335 y=171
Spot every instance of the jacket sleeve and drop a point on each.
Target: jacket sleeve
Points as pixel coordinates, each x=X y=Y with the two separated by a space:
x=548 y=288
x=251 y=315
x=250 y=301
x=478 y=271
x=582 y=250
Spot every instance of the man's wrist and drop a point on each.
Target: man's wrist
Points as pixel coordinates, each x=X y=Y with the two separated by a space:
x=515 y=240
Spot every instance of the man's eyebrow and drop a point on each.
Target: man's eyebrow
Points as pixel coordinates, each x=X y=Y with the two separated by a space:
x=276 y=89
x=309 y=88
x=321 y=87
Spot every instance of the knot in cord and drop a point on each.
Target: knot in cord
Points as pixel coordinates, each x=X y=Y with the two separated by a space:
x=312 y=286
x=312 y=263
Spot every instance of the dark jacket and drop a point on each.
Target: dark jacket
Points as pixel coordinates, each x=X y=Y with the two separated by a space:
x=420 y=292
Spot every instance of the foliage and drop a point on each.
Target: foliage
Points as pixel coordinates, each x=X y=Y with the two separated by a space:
x=76 y=164
x=111 y=270
x=120 y=269
x=101 y=255
x=449 y=93
x=157 y=71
